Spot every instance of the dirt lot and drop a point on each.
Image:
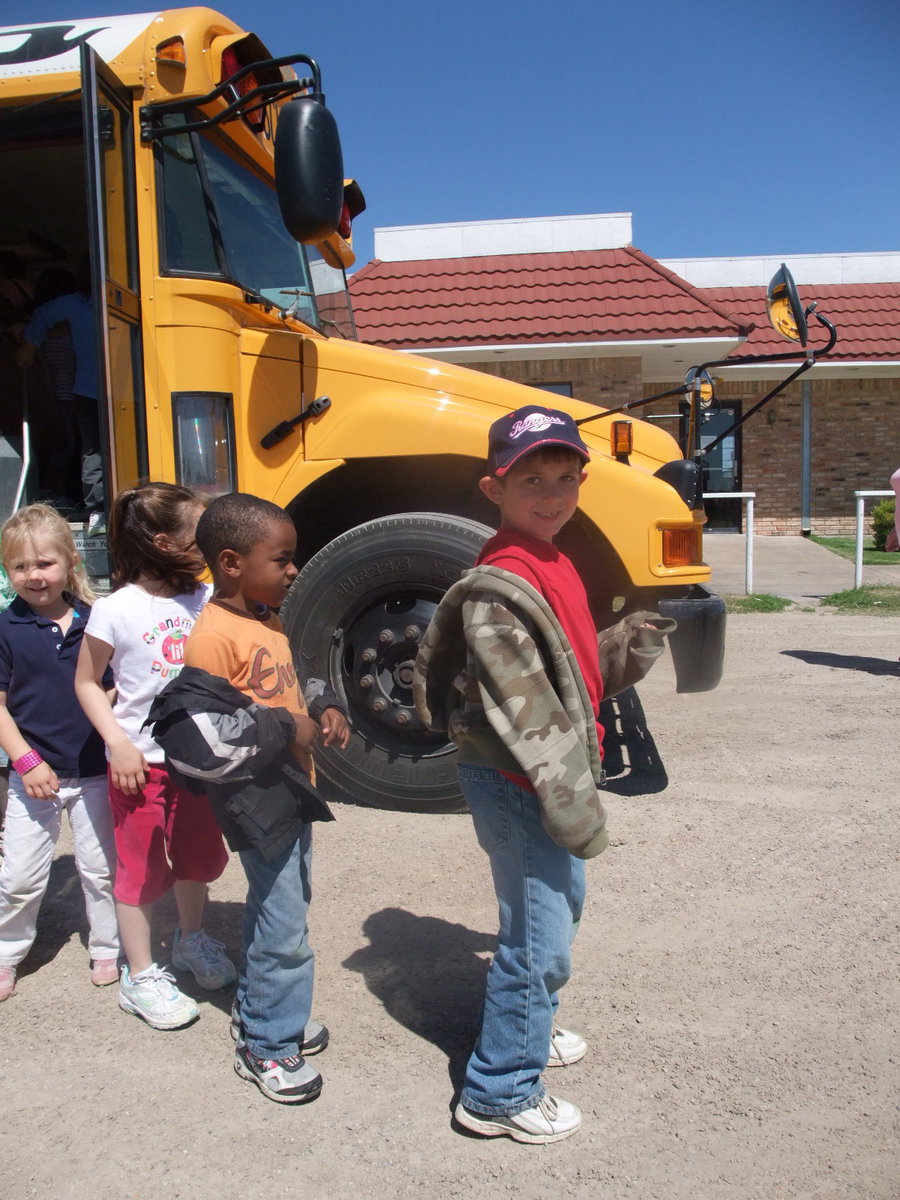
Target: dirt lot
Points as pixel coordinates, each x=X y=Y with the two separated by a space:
x=735 y=977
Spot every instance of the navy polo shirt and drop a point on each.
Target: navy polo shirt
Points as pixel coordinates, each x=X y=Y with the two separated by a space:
x=37 y=672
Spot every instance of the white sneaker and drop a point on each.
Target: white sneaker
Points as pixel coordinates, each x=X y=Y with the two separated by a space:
x=153 y=996
x=565 y=1047
x=550 y=1120
x=205 y=958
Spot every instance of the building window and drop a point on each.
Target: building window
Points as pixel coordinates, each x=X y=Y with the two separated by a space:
x=561 y=389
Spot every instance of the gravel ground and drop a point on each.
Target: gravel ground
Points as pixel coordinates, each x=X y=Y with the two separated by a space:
x=735 y=976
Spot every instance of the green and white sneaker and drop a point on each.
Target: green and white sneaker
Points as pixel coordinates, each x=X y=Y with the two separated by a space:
x=550 y=1120
x=285 y=1080
x=205 y=958
x=153 y=996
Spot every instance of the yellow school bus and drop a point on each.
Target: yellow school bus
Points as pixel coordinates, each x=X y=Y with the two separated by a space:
x=204 y=177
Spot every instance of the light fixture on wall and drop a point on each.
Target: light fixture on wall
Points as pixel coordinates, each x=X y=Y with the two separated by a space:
x=772 y=416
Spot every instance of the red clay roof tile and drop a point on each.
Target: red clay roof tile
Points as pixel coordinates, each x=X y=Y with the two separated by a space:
x=586 y=296
x=597 y=295
x=867 y=317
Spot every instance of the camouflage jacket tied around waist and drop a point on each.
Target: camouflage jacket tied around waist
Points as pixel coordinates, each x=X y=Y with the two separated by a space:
x=496 y=673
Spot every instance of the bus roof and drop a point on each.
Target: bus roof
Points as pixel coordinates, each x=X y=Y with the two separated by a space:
x=53 y=48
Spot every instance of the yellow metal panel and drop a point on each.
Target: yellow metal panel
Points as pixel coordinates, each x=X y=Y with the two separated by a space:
x=270 y=393
x=122 y=402
x=387 y=405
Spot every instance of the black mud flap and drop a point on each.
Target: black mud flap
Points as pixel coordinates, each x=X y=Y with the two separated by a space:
x=698 y=644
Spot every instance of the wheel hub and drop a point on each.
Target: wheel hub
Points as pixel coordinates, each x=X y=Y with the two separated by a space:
x=378 y=661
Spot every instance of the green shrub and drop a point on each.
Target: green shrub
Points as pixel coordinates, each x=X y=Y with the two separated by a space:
x=882 y=522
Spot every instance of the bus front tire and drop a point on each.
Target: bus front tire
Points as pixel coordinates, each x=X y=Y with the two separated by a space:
x=355 y=615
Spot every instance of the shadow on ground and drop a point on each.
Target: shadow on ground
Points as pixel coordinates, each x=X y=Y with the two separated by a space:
x=630 y=758
x=62 y=915
x=846 y=662
x=428 y=974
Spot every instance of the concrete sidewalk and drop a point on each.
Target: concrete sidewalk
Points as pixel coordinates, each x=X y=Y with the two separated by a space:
x=794 y=567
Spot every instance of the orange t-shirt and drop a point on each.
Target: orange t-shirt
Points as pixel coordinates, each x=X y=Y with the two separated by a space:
x=254 y=655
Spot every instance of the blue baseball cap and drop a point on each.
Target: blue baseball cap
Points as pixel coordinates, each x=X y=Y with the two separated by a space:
x=531 y=428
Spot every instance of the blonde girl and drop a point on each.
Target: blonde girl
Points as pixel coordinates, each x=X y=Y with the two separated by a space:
x=56 y=757
x=166 y=837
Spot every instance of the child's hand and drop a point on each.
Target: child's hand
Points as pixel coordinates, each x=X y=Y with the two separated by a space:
x=127 y=768
x=41 y=782
x=308 y=735
x=335 y=728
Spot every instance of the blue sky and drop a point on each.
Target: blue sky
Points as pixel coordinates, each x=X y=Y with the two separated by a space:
x=725 y=128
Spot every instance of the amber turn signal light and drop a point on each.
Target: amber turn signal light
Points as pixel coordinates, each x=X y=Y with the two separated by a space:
x=621 y=439
x=681 y=547
x=172 y=52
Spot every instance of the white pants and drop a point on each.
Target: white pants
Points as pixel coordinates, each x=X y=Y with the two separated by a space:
x=31 y=833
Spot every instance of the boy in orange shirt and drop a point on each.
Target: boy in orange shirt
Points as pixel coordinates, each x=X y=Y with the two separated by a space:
x=249 y=545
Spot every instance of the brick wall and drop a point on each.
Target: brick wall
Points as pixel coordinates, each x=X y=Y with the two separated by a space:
x=605 y=381
x=855 y=445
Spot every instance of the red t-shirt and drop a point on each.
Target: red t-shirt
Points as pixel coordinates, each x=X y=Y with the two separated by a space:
x=552 y=574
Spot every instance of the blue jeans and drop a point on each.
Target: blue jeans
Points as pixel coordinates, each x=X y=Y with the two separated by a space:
x=540 y=890
x=275 y=981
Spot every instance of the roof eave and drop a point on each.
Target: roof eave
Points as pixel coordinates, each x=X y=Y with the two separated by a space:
x=830 y=368
x=587 y=349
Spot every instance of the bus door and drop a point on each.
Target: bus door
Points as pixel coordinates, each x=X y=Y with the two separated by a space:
x=112 y=234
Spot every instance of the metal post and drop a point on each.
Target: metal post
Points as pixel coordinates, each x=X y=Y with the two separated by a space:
x=860 y=530
x=748 y=498
x=860 y=511
x=806 y=458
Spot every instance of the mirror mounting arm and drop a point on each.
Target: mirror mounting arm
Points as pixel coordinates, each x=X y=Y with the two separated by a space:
x=611 y=412
x=152 y=115
x=809 y=357
x=809 y=361
x=779 y=387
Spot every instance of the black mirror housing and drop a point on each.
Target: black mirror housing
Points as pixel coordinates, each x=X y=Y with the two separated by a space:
x=785 y=312
x=685 y=475
x=309 y=169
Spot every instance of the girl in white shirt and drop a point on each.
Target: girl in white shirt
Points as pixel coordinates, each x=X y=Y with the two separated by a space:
x=166 y=836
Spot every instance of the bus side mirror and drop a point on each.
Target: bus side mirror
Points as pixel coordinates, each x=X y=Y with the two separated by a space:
x=786 y=314
x=309 y=169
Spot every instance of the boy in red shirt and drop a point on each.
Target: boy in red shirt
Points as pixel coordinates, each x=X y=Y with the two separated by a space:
x=525 y=720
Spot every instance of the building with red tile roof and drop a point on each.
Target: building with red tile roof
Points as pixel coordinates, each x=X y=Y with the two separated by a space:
x=570 y=305
x=589 y=299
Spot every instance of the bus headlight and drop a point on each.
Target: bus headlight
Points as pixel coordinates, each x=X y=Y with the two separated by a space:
x=204 y=441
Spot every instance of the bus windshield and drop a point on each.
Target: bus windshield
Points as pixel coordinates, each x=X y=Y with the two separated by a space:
x=220 y=217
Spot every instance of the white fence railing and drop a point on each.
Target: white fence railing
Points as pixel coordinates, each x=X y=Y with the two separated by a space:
x=748 y=498
x=861 y=498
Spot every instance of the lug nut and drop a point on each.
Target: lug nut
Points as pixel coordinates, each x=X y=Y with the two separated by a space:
x=402 y=718
x=413 y=633
x=380 y=704
x=366 y=681
x=386 y=637
x=369 y=655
